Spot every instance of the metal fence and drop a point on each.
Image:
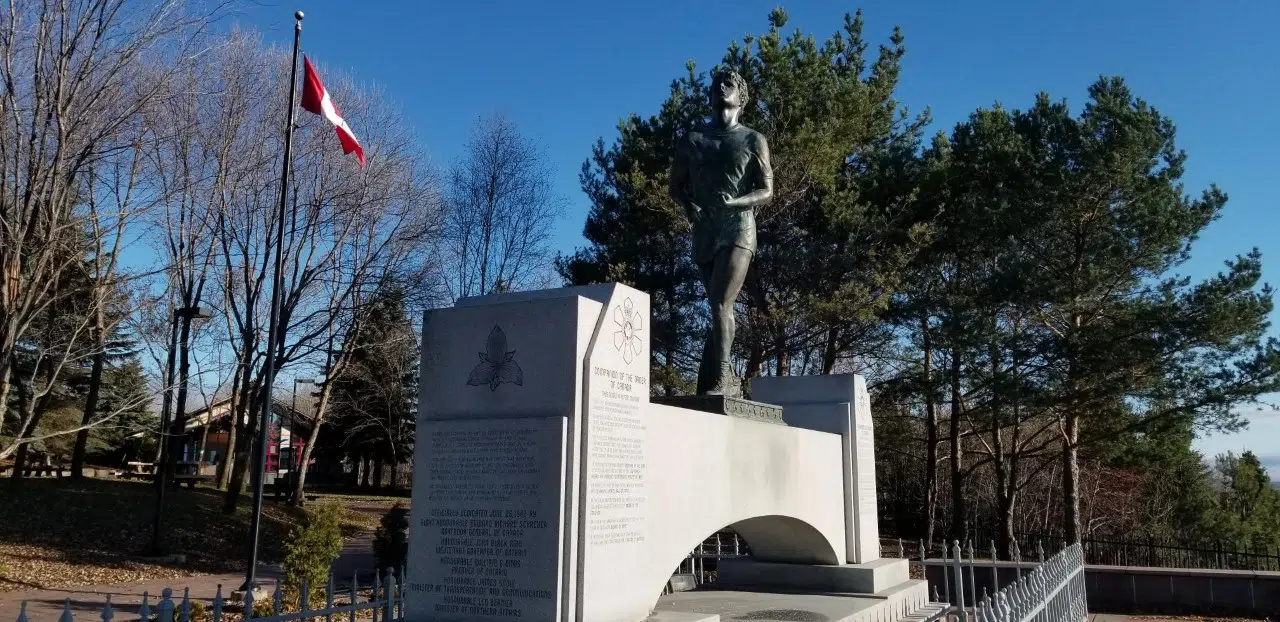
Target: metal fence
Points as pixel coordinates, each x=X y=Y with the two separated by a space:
x=1052 y=590
x=702 y=563
x=381 y=600
x=1159 y=553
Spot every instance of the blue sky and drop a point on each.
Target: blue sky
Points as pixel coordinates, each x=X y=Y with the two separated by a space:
x=567 y=71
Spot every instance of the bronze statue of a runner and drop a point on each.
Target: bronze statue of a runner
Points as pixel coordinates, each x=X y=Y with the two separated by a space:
x=720 y=174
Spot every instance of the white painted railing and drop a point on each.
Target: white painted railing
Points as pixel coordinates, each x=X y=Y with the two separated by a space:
x=1054 y=591
x=384 y=602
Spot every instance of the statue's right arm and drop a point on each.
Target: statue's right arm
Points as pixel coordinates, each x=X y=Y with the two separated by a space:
x=677 y=183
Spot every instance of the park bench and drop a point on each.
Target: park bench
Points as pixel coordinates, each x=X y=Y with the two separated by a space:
x=189 y=473
x=137 y=470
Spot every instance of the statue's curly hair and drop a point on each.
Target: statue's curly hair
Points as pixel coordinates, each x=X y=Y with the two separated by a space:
x=724 y=73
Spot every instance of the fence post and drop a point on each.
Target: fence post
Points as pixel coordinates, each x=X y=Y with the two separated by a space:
x=165 y=606
x=107 y=611
x=217 y=604
x=995 y=570
x=66 y=612
x=1040 y=550
x=184 y=611
x=946 y=576
x=973 y=581
x=1017 y=560
x=390 y=588
x=304 y=597
x=958 y=570
x=144 y=612
x=355 y=594
x=328 y=599
x=901 y=553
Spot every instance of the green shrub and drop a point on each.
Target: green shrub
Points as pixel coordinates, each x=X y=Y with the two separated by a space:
x=199 y=612
x=313 y=546
x=391 y=540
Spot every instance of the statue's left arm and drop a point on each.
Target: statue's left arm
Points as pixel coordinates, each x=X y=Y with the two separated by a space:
x=762 y=189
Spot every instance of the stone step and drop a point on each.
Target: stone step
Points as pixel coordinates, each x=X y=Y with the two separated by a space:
x=928 y=613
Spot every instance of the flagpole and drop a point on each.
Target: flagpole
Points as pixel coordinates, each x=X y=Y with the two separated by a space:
x=274 y=330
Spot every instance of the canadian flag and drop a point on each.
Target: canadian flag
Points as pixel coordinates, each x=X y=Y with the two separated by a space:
x=316 y=100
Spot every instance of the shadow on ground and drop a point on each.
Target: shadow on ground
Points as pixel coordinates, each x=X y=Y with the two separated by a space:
x=62 y=532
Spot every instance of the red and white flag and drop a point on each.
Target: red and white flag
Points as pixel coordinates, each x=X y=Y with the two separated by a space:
x=316 y=100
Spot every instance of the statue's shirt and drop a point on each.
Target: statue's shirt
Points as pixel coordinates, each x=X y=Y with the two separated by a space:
x=728 y=161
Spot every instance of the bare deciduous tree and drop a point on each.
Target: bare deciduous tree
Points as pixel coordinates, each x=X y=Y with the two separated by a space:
x=501 y=210
x=76 y=76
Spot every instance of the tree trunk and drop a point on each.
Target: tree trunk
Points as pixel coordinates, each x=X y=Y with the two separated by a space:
x=300 y=482
x=395 y=472
x=377 y=472
x=177 y=433
x=931 y=435
x=1004 y=489
x=784 y=356
x=226 y=466
x=91 y=399
x=831 y=350
x=24 y=406
x=245 y=455
x=1071 y=478
x=233 y=414
x=6 y=387
x=959 y=524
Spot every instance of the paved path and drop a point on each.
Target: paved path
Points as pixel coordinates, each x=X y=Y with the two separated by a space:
x=86 y=602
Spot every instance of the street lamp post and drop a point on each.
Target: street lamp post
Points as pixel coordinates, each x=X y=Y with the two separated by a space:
x=182 y=315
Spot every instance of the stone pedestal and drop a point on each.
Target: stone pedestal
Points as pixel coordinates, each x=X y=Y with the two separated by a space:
x=869 y=578
x=723 y=405
x=549 y=487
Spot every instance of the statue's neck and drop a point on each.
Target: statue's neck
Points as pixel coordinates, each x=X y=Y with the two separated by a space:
x=726 y=118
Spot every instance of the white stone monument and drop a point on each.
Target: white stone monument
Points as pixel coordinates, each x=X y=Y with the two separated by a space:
x=547 y=487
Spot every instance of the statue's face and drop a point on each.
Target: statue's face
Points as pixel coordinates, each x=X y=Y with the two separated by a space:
x=725 y=94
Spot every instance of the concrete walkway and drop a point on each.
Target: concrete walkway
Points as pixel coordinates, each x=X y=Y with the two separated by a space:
x=126 y=598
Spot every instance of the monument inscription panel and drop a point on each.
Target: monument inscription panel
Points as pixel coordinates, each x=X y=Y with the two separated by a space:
x=867 y=518
x=615 y=478
x=614 y=510
x=486 y=543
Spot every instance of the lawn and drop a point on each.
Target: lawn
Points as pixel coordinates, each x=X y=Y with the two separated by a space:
x=57 y=533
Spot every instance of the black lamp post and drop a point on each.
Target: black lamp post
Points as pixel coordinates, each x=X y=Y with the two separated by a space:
x=182 y=316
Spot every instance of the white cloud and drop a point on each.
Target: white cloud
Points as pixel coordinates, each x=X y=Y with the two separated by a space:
x=1262 y=437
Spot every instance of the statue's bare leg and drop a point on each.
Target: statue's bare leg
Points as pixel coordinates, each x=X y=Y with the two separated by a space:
x=723 y=280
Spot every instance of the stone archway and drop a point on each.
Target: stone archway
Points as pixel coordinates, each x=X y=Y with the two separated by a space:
x=771 y=537
x=778 y=538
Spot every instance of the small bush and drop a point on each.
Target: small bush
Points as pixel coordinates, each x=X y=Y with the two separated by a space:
x=264 y=608
x=199 y=612
x=313 y=547
x=391 y=540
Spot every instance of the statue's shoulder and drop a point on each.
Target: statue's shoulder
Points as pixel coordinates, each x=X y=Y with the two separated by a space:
x=693 y=137
x=754 y=137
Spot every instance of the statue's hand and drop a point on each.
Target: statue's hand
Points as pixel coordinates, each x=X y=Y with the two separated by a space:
x=727 y=199
x=694 y=212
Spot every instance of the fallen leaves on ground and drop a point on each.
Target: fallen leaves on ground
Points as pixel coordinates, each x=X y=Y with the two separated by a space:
x=59 y=533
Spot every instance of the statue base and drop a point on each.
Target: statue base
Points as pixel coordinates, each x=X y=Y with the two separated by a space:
x=725 y=405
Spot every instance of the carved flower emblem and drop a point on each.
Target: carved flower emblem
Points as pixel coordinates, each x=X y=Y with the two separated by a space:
x=627 y=337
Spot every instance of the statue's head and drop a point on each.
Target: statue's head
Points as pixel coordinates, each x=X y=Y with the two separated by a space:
x=728 y=89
